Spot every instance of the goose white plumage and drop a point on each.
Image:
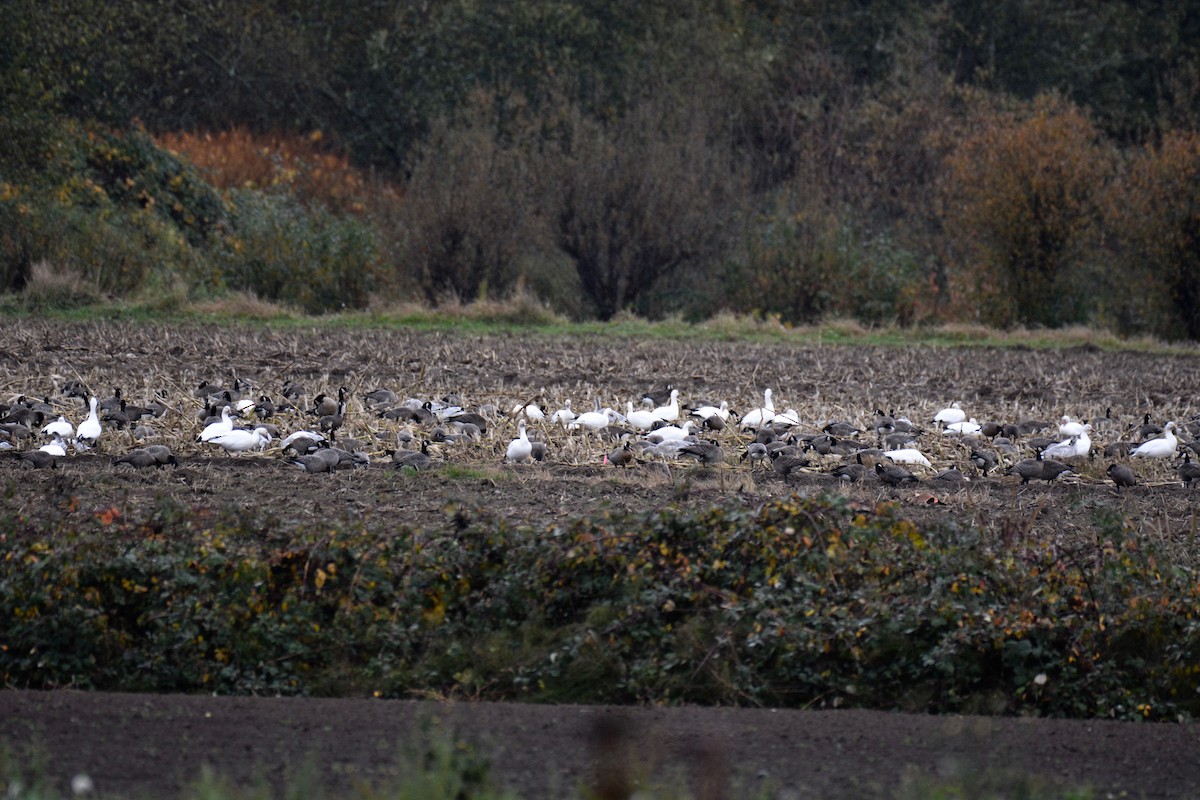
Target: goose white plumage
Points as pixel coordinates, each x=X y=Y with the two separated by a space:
x=704 y=412
x=56 y=448
x=564 y=416
x=908 y=455
x=669 y=412
x=1069 y=427
x=950 y=415
x=671 y=433
x=239 y=440
x=532 y=412
x=214 y=429
x=593 y=420
x=1163 y=447
x=60 y=427
x=1078 y=446
x=519 y=449
x=641 y=419
x=967 y=427
x=758 y=417
x=88 y=432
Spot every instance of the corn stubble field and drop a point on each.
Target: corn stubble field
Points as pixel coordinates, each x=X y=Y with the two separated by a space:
x=469 y=481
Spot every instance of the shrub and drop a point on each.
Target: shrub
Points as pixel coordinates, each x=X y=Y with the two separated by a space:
x=1020 y=203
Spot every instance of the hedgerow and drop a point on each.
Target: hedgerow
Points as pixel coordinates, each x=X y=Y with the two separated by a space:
x=799 y=603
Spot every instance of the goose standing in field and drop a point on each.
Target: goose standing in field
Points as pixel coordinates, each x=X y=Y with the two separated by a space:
x=60 y=427
x=213 y=429
x=669 y=433
x=413 y=459
x=983 y=460
x=670 y=411
x=704 y=413
x=1158 y=448
x=706 y=452
x=563 y=416
x=1078 y=446
x=641 y=419
x=88 y=432
x=950 y=415
x=1038 y=469
x=1105 y=423
x=759 y=417
x=788 y=466
x=1121 y=475
x=622 y=456
x=239 y=441
x=851 y=473
x=1068 y=427
x=519 y=449
x=1188 y=472
x=594 y=421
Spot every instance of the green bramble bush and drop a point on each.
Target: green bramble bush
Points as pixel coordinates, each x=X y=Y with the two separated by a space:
x=800 y=603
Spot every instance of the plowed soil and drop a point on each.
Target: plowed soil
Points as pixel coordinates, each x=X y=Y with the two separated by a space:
x=150 y=745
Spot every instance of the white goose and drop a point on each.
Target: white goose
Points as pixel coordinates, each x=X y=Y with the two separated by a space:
x=641 y=419
x=671 y=433
x=214 y=429
x=60 y=427
x=759 y=417
x=669 y=412
x=908 y=455
x=564 y=416
x=966 y=428
x=519 y=449
x=88 y=432
x=950 y=415
x=1078 y=446
x=704 y=412
x=1163 y=447
x=1069 y=427
x=532 y=412
x=56 y=448
x=593 y=420
x=238 y=440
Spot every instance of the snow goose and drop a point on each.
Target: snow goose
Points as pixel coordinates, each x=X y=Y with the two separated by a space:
x=239 y=441
x=908 y=455
x=60 y=427
x=671 y=433
x=758 y=417
x=88 y=432
x=706 y=412
x=1121 y=475
x=519 y=449
x=894 y=474
x=1158 y=448
x=1078 y=446
x=965 y=428
x=213 y=429
x=1188 y=472
x=1069 y=427
x=670 y=411
x=563 y=416
x=304 y=442
x=55 y=448
x=641 y=419
x=531 y=411
x=593 y=420
x=951 y=414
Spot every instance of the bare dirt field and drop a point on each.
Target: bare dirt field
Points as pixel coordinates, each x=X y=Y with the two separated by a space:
x=150 y=744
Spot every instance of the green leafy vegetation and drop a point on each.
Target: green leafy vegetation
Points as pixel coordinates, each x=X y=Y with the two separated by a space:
x=799 y=603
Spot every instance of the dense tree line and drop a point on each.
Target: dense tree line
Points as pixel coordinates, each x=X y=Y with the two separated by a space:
x=660 y=157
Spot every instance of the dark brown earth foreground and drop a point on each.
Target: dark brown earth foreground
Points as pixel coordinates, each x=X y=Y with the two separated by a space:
x=154 y=745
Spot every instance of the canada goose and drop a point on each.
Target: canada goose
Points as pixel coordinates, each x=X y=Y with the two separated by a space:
x=519 y=449
x=899 y=441
x=670 y=411
x=756 y=453
x=162 y=454
x=954 y=413
x=213 y=429
x=894 y=474
x=60 y=427
x=137 y=413
x=951 y=477
x=116 y=418
x=1106 y=422
x=991 y=430
x=38 y=459
x=851 y=473
x=908 y=455
x=706 y=452
x=841 y=429
x=413 y=459
x=329 y=423
x=1028 y=426
x=88 y=432
x=1038 y=469
x=983 y=460
x=157 y=406
x=313 y=463
x=111 y=403
x=381 y=397
x=304 y=442
x=1158 y=448
x=326 y=406
x=1188 y=472
x=758 y=417
x=1121 y=475
x=1147 y=430
x=1118 y=449
x=786 y=466
x=144 y=457
x=239 y=441
x=659 y=397
x=622 y=456
x=884 y=424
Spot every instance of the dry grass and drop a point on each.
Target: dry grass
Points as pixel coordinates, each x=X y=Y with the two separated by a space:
x=243 y=305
